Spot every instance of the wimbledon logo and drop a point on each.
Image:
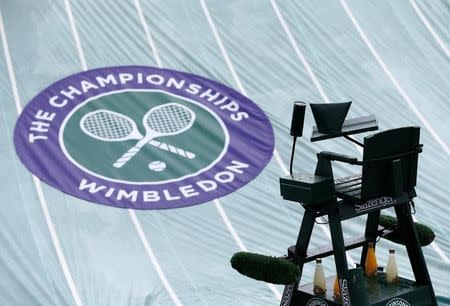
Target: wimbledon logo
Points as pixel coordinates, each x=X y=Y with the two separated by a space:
x=143 y=137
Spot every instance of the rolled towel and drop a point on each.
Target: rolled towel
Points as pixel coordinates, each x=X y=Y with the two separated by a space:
x=425 y=234
x=269 y=269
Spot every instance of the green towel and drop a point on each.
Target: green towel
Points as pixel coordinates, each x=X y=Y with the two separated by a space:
x=269 y=269
x=425 y=234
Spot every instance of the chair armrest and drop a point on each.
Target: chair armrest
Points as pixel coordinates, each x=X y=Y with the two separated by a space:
x=339 y=157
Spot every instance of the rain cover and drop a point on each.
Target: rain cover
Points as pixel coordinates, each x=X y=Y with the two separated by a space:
x=142 y=141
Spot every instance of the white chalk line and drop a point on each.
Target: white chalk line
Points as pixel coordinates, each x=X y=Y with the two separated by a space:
x=430 y=28
x=76 y=37
x=436 y=248
x=394 y=81
x=155 y=54
x=131 y=212
x=323 y=95
x=148 y=35
x=241 y=88
x=153 y=258
x=239 y=242
x=299 y=53
x=402 y=93
x=319 y=88
x=37 y=182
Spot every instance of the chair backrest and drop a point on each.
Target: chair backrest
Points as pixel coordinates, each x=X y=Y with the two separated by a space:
x=380 y=151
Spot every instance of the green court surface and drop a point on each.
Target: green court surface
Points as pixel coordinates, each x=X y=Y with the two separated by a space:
x=391 y=58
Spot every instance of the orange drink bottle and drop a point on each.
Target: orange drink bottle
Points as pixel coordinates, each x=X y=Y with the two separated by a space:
x=336 y=289
x=371 y=265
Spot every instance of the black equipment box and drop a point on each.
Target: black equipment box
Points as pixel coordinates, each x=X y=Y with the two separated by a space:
x=308 y=189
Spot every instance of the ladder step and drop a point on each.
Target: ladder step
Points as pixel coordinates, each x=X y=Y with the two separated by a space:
x=327 y=250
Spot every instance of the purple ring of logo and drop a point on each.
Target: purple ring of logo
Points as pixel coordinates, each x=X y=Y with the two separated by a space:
x=251 y=141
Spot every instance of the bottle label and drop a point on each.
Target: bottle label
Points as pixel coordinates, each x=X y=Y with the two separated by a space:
x=287 y=295
x=344 y=292
x=316 y=302
x=398 y=302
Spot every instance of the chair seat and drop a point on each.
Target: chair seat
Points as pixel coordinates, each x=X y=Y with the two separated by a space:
x=349 y=187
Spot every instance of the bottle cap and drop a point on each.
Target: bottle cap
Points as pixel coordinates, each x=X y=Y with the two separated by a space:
x=371 y=244
x=319 y=260
x=391 y=251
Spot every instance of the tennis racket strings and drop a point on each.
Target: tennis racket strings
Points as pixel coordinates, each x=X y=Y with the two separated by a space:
x=170 y=119
x=162 y=120
x=107 y=125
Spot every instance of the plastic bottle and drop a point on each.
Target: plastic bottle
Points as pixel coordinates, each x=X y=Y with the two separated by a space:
x=371 y=265
x=391 y=269
x=320 y=285
x=336 y=289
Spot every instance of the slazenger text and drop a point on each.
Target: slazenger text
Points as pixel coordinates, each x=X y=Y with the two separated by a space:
x=374 y=203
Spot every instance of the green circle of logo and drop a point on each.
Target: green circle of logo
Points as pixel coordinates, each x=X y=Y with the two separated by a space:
x=178 y=150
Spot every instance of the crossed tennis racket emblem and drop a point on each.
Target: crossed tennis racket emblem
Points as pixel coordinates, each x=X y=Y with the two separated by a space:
x=163 y=120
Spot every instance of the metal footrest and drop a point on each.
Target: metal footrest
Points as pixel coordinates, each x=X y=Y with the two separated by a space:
x=327 y=250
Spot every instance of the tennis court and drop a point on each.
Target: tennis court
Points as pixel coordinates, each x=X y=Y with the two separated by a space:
x=391 y=58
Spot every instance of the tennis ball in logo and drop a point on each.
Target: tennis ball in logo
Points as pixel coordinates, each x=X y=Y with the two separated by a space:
x=157 y=166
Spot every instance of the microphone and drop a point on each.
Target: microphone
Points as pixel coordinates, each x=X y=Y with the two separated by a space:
x=298 y=118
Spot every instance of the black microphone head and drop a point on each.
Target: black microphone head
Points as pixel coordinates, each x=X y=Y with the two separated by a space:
x=298 y=118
